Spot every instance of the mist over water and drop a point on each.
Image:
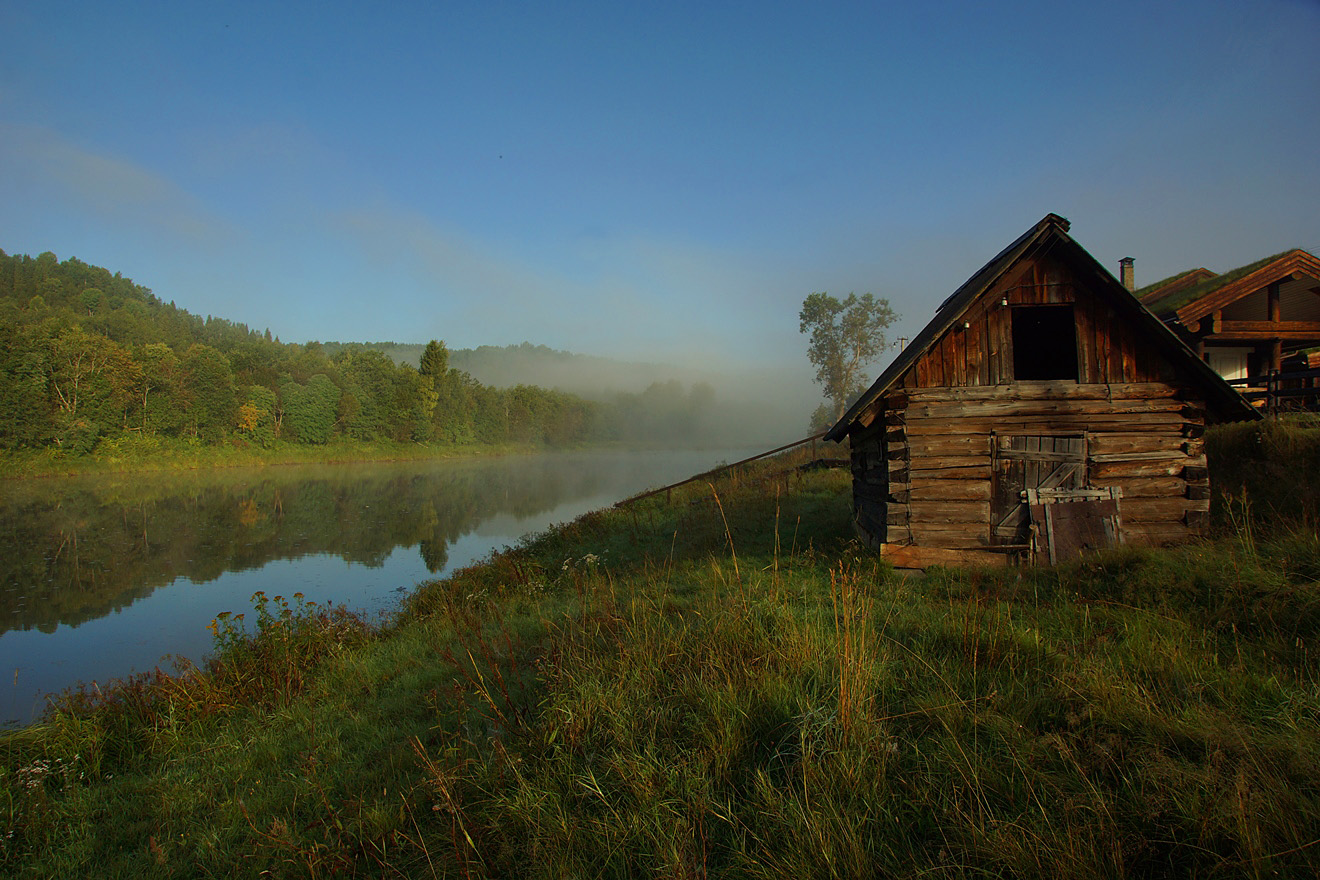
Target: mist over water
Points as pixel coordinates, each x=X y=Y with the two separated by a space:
x=766 y=404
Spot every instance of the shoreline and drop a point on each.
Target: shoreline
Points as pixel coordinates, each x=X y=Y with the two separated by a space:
x=180 y=458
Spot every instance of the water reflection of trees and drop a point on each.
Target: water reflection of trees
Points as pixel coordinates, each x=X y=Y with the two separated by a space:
x=75 y=550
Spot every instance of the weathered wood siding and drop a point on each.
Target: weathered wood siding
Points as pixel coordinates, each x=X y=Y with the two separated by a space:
x=1110 y=350
x=924 y=455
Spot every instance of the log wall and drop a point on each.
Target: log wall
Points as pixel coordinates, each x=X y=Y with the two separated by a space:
x=926 y=475
x=923 y=454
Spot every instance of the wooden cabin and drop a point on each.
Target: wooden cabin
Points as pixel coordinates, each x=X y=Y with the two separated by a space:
x=1041 y=412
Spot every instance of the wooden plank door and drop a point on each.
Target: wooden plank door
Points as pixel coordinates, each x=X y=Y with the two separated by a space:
x=1024 y=462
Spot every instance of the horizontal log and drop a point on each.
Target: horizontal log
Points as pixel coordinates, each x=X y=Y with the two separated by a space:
x=1043 y=391
x=1133 y=423
x=1105 y=443
x=1146 y=487
x=956 y=443
x=933 y=465
x=918 y=556
x=1010 y=408
x=966 y=536
x=978 y=471
x=1170 y=467
x=977 y=512
x=1156 y=534
x=948 y=490
x=899 y=534
x=1148 y=510
x=1161 y=455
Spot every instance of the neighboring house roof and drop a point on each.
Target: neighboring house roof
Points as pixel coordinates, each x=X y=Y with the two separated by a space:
x=1181 y=281
x=1190 y=304
x=1051 y=233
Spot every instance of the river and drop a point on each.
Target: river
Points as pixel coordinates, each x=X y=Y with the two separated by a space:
x=101 y=577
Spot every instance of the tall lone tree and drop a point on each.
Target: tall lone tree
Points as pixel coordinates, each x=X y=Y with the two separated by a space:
x=845 y=337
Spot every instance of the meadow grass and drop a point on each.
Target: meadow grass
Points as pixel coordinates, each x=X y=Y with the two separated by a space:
x=722 y=683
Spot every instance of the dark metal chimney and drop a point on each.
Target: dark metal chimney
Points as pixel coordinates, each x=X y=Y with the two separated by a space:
x=1126 y=274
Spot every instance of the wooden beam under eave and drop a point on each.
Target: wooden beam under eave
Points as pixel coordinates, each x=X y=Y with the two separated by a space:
x=1275 y=327
x=1273 y=292
x=1265 y=336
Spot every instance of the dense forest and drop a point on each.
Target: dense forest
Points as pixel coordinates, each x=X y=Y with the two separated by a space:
x=87 y=356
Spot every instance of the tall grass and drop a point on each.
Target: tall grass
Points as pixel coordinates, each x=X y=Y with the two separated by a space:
x=722 y=684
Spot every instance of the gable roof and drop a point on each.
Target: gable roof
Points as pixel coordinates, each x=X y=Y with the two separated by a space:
x=1050 y=235
x=1181 y=281
x=1190 y=304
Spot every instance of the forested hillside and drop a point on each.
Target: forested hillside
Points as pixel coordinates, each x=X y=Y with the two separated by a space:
x=87 y=356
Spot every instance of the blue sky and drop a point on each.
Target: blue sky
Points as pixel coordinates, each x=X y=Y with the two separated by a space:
x=649 y=181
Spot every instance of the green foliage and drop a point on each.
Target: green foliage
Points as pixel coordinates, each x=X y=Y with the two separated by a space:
x=24 y=369
x=435 y=361
x=274 y=662
x=309 y=410
x=846 y=336
x=210 y=407
x=256 y=416
x=161 y=389
x=92 y=299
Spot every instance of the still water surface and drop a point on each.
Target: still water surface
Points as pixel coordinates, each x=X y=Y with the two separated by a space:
x=101 y=577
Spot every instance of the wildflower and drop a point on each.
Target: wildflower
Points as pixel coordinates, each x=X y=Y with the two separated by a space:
x=34 y=774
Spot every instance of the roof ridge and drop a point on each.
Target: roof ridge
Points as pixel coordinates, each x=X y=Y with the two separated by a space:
x=1181 y=299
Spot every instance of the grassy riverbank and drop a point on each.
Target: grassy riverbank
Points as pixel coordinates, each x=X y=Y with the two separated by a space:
x=722 y=683
x=147 y=454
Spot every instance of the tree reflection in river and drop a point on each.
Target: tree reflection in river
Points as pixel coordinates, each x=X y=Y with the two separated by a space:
x=73 y=551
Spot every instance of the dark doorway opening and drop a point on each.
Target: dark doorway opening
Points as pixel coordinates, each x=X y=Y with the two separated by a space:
x=1044 y=343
